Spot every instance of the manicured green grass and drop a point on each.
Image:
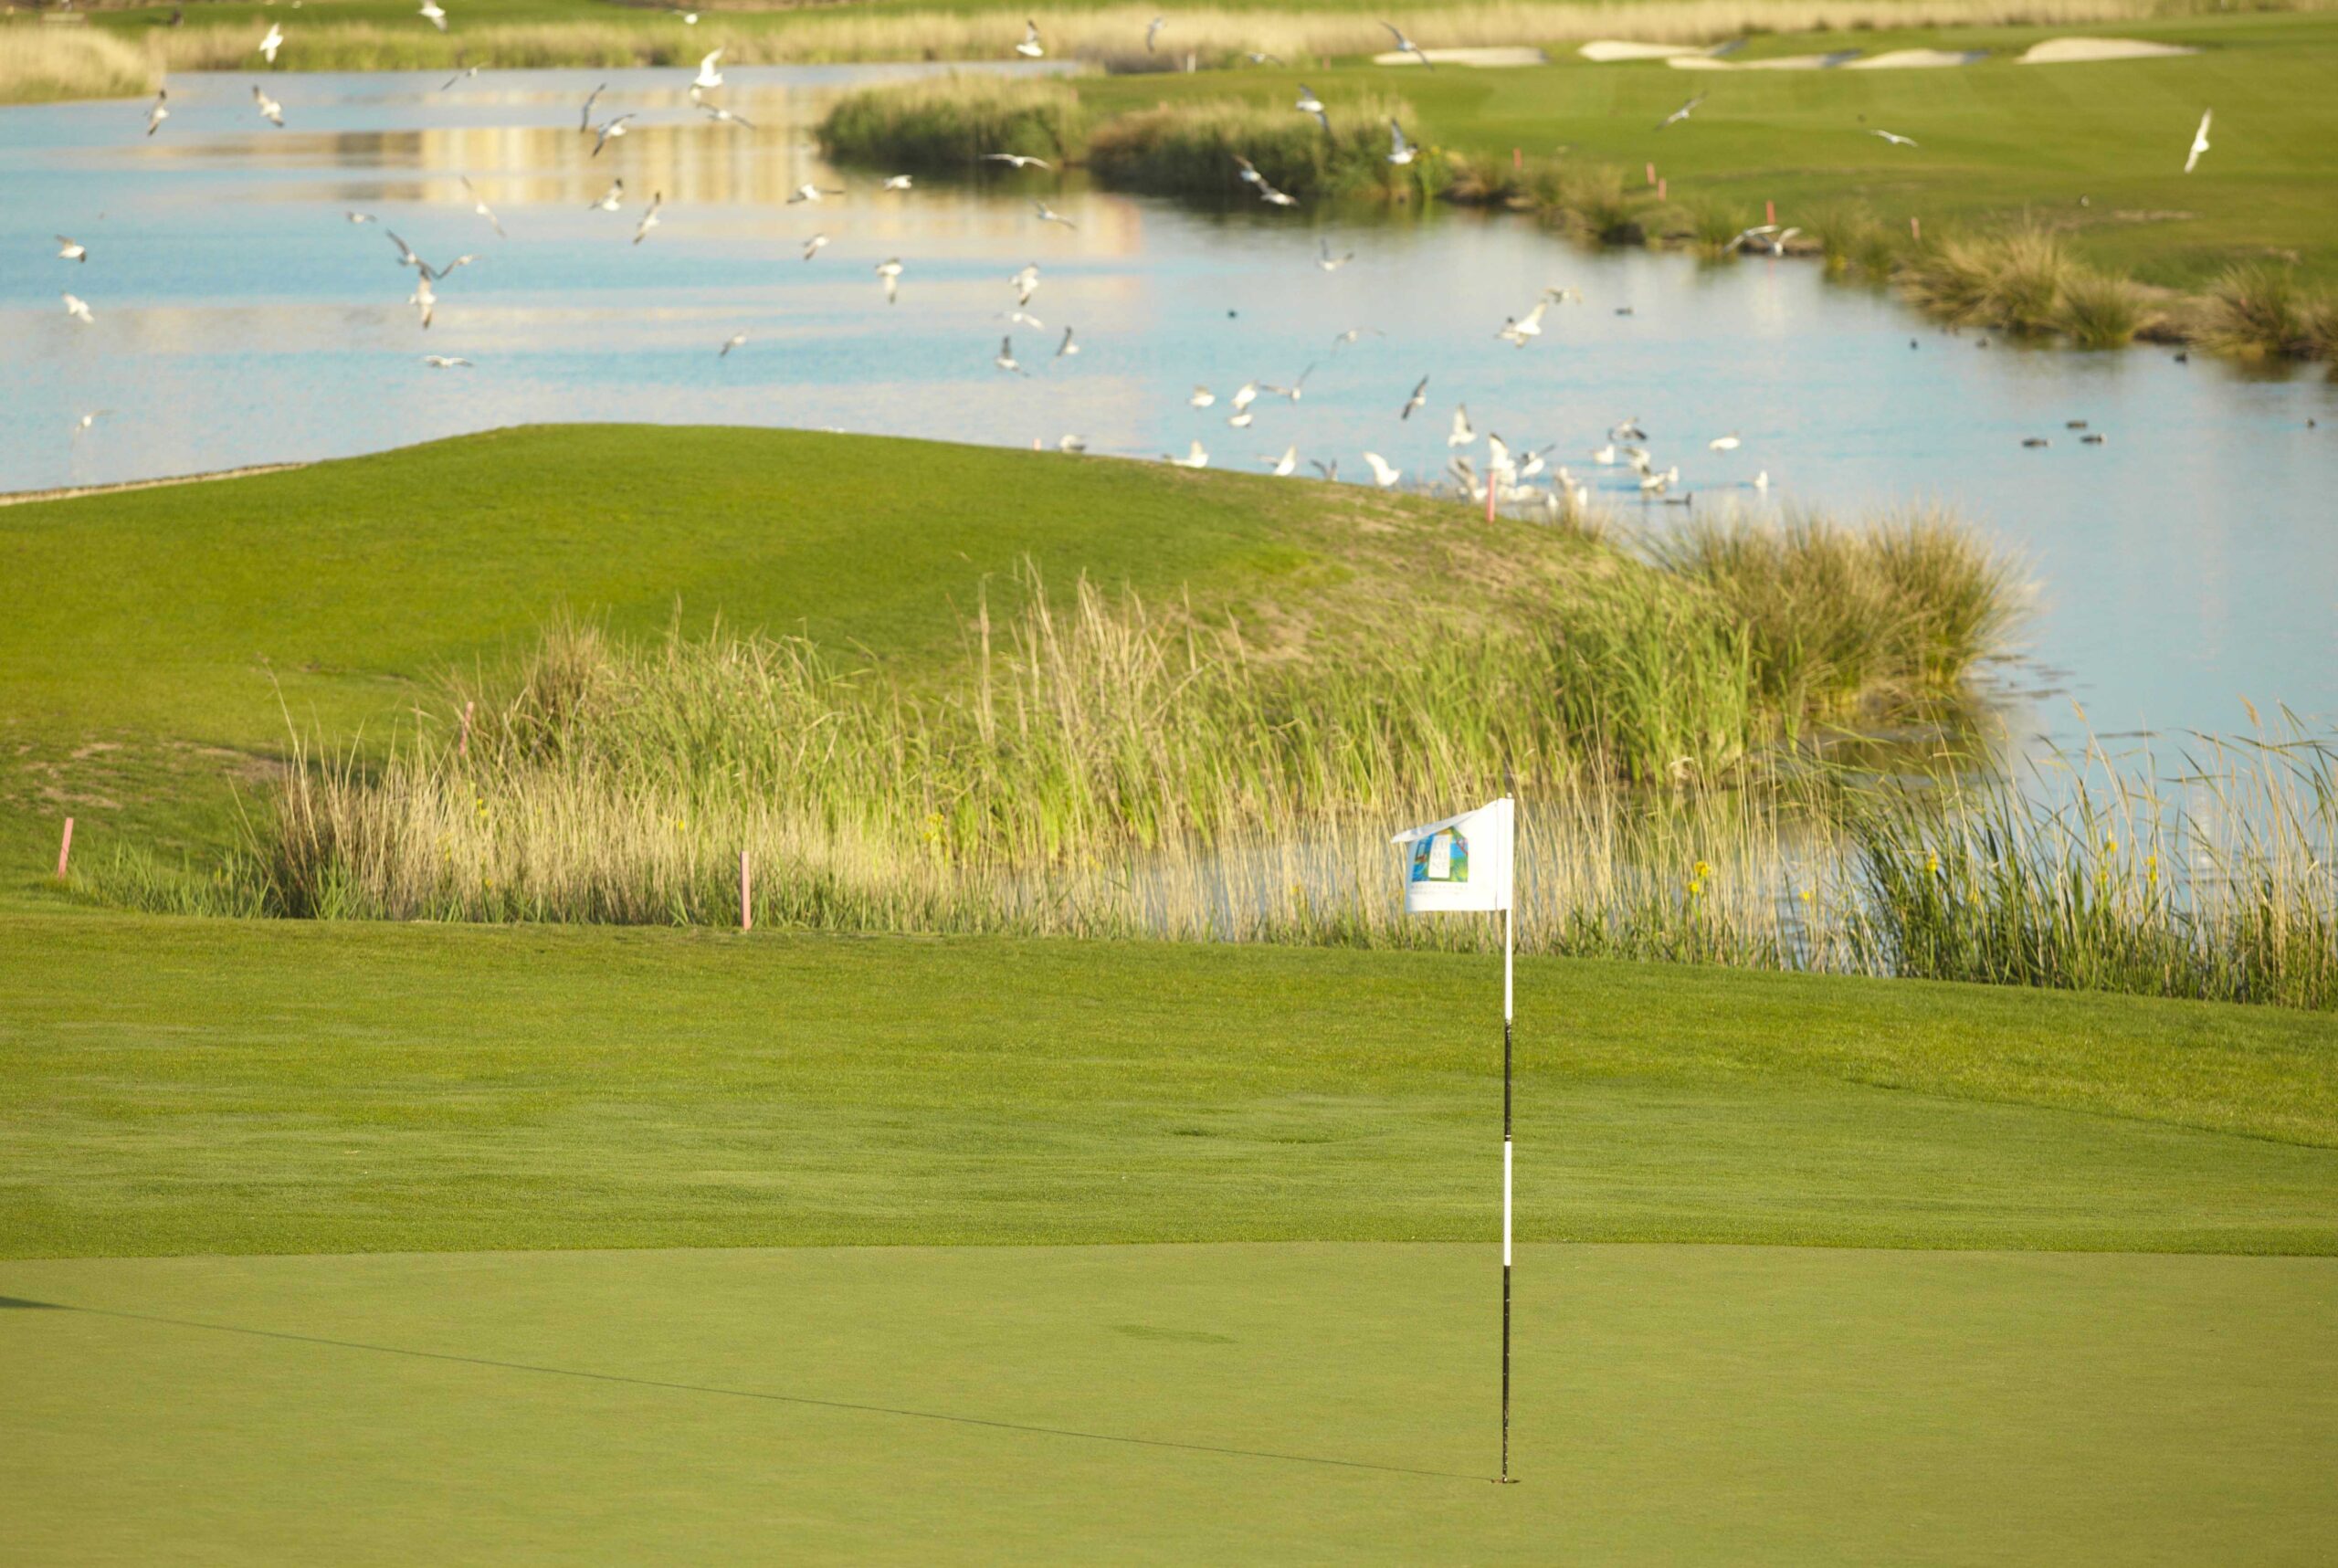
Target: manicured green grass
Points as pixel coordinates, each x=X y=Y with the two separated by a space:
x=196 y=1085
x=1245 y=1404
x=1998 y=140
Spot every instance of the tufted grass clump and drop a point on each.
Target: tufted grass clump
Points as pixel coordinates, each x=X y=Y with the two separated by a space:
x=950 y=122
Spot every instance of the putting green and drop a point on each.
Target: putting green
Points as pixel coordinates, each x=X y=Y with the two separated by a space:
x=1221 y=1403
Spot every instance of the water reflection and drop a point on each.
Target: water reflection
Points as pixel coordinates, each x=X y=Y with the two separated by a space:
x=241 y=319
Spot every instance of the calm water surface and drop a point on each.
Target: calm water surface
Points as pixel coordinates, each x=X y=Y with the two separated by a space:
x=2189 y=562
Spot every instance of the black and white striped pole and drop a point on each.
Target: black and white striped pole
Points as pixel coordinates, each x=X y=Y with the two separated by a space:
x=1506 y=1014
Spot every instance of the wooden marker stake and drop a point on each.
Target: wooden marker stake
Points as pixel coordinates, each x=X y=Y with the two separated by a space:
x=746 y=896
x=1916 y=230
x=1770 y=213
x=1661 y=183
x=65 y=849
x=1517 y=159
x=1651 y=174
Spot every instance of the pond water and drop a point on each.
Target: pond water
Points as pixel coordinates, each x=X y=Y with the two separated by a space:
x=2188 y=561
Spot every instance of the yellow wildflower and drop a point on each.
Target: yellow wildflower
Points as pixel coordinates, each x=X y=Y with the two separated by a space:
x=1810 y=895
x=2111 y=847
x=1703 y=869
x=1932 y=862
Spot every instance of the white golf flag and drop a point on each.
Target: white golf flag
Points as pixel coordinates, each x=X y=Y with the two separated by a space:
x=1460 y=863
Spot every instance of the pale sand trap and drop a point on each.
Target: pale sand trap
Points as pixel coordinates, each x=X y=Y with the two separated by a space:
x=1783 y=63
x=1605 y=51
x=1918 y=59
x=2079 y=52
x=1516 y=54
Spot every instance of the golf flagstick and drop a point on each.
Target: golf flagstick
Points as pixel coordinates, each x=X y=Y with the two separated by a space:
x=1467 y=862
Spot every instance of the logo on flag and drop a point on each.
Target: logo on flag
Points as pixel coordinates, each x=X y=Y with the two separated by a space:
x=1460 y=863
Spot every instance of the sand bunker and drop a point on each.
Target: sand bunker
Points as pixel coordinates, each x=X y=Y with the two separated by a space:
x=2079 y=52
x=1519 y=55
x=1918 y=59
x=1607 y=51
x=1783 y=63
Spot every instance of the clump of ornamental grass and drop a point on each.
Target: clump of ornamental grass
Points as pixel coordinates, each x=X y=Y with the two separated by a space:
x=951 y=122
x=2260 y=309
x=1197 y=149
x=2098 y=311
x=1590 y=196
x=1713 y=225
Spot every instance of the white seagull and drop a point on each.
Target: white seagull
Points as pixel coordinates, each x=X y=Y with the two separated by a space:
x=424 y=298
x=808 y=192
x=1066 y=348
x=1382 y=474
x=1308 y=102
x=813 y=246
x=2199 y=141
x=891 y=271
x=1020 y=160
x=434 y=14
x=1286 y=465
x=158 y=113
x=1195 y=458
x=464 y=75
x=89 y=419
x=1030 y=48
x=608 y=201
x=1419 y=397
x=1005 y=358
x=479 y=206
x=1682 y=113
x=1729 y=443
x=649 y=219
x=78 y=308
x=446 y=361
x=608 y=133
x=71 y=249
x=735 y=340
x=269 y=110
x=357 y=217
x=708 y=77
x=1049 y=215
x=1406 y=45
x=1152 y=31
x=1896 y=140
x=272 y=42
x=721 y=116
x=897 y=183
x=1201 y=398
x=1460 y=435
x=1399 y=150
x=584 y=121
x=1026 y=283
x=1329 y=262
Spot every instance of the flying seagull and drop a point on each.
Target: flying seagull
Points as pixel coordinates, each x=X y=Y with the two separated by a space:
x=446 y=361
x=1195 y=458
x=808 y=192
x=1897 y=141
x=1382 y=474
x=1005 y=358
x=1460 y=435
x=2199 y=141
x=406 y=257
x=357 y=217
x=434 y=14
x=1074 y=444
x=158 y=113
x=78 y=308
x=1026 y=283
x=1049 y=215
x=708 y=77
x=1275 y=198
x=721 y=116
x=1152 y=31
x=608 y=131
x=71 y=249
x=1329 y=262
x=813 y=246
x=897 y=181
x=1419 y=397
x=1350 y=335
x=891 y=271
x=1682 y=113
x=584 y=121
x=269 y=110
x=1030 y=48
x=1066 y=348
x=1201 y=398
x=1729 y=443
x=1406 y=45
x=1260 y=58
x=608 y=201
x=1308 y=102
x=460 y=76
x=735 y=340
x=1244 y=395
x=1241 y=421
x=1286 y=465
x=1019 y=160
x=1399 y=150
x=89 y=419
x=424 y=298
x=272 y=42
x=479 y=206
x=649 y=219
x=1330 y=470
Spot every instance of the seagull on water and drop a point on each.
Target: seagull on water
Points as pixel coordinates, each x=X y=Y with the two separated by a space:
x=1460 y=435
x=71 y=249
x=1049 y=215
x=1066 y=348
x=890 y=271
x=1897 y=141
x=1201 y=398
x=1406 y=45
x=1419 y=397
x=708 y=77
x=1382 y=474
x=158 y=112
x=479 y=206
x=1399 y=150
x=608 y=201
x=1195 y=458
x=78 y=308
x=813 y=246
x=272 y=42
x=1286 y=465
x=446 y=361
x=1030 y=48
x=1329 y=262
x=1020 y=160
x=649 y=219
x=1729 y=443
x=2199 y=141
x=434 y=14
x=896 y=183
x=1682 y=113
x=1005 y=358
x=735 y=340
x=269 y=110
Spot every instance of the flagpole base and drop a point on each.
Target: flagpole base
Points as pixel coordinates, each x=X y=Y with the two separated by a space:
x=1505 y=1480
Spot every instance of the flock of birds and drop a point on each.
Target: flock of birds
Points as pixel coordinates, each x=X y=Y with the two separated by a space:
x=1509 y=475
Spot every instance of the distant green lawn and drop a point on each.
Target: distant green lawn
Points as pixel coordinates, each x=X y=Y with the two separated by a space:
x=1324 y=1403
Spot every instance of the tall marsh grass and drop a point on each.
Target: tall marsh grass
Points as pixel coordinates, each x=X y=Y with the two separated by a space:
x=40 y=64
x=2260 y=309
x=950 y=122
x=1190 y=149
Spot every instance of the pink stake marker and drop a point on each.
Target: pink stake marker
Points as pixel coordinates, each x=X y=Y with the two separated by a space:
x=65 y=849
x=746 y=905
